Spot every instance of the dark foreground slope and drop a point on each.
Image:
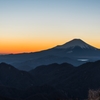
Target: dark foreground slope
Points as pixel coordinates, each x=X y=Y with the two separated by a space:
x=21 y=85
x=74 y=81
x=49 y=82
x=12 y=77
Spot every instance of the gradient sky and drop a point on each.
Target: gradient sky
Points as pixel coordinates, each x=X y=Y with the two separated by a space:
x=33 y=25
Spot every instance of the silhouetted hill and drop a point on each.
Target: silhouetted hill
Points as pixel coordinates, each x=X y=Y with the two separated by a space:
x=49 y=82
x=12 y=77
x=48 y=73
x=76 y=81
x=44 y=92
x=10 y=93
x=4 y=98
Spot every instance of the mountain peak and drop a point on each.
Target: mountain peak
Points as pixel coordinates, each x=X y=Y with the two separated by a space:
x=77 y=39
x=74 y=43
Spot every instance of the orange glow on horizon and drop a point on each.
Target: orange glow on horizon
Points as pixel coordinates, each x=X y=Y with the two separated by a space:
x=26 y=47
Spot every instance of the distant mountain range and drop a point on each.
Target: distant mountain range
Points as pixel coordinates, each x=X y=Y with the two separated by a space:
x=75 y=52
x=49 y=82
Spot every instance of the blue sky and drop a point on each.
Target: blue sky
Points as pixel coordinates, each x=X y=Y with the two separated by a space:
x=48 y=22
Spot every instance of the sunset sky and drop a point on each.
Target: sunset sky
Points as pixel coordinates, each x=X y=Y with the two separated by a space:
x=34 y=25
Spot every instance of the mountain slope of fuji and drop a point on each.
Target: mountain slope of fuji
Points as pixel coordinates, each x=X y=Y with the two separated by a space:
x=78 y=48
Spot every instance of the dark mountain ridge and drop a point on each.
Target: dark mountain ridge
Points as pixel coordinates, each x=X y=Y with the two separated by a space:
x=75 y=82
x=52 y=81
x=12 y=77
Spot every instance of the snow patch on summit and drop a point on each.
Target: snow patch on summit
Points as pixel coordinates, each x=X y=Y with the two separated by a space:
x=74 y=43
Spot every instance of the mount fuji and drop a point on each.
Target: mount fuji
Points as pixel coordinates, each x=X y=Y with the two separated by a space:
x=74 y=43
x=78 y=48
x=75 y=52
